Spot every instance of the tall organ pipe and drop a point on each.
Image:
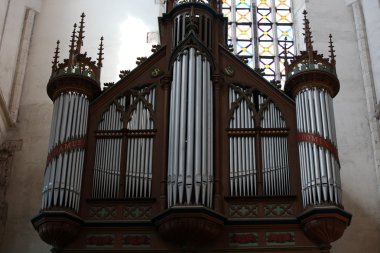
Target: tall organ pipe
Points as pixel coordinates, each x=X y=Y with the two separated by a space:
x=63 y=173
x=317 y=146
x=190 y=171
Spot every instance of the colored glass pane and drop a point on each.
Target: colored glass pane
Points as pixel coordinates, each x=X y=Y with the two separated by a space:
x=257 y=31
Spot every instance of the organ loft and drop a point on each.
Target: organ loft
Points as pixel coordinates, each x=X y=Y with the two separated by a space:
x=193 y=150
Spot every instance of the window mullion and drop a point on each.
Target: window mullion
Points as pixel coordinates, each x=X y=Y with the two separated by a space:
x=255 y=40
x=275 y=41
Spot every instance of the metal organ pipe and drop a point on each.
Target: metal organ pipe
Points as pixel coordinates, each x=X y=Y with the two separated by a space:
x=139 y=150
x=319 y=166
x=198 y=126
x=242 y=149
x=190 y=168
x=63 y=173
x=108 y=153
x=275 y=153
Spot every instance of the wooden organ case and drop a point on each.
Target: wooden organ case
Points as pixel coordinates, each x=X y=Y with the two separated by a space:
x=192 y=151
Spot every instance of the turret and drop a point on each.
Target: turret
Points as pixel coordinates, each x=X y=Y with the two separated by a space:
x=312 y=82
x=72 y=86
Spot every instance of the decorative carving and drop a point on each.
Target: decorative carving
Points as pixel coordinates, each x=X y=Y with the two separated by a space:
x=260 y=71
x=193 y=226
x=138 y=96
x=243 y=211
x=100 y=54
x=140 y=60
x=103 y=213
x=325 y=224
x=193 y=1
x=332 y=51
x=124 y=73
x=229 y=71
x=155 y=48
x=56 y=57
x=230 y=48
x=100 y=240
x=325 y=230
x=243 y=239
x=108 y=85
x=279 y=210
x=156 y=72
x=136 y=240
x=133 y=212
x=57 y=230
x=247 y=94
x=78 y=63
x=243 y=58
x=280 y=238
x=276 y=83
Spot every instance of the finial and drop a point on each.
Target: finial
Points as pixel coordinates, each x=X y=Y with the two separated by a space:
x=308 y=36
x=332 y=51
x=72 y=46
x=286 y=54
x=56 y=56
x=192 y=24
x=100 y=59
x=80 y=34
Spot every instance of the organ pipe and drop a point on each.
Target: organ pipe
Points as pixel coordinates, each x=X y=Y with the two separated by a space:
x=274 y=150
x=190 y=166
x=63 y=174
x=139 y=150
x=318 y=158
x=180 y=33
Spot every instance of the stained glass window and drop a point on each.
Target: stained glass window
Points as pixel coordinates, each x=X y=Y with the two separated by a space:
x=257 y=30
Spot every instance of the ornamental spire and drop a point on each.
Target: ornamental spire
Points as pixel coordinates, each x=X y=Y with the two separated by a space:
x=80 y=34
x=286 y=64
x=56 y=56
x=72 y=46
x=308 y=36
x=100 y=58
x=332 y=51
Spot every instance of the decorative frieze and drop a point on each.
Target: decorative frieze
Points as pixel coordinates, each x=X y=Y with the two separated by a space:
x=100 y=240
x=133 y=212
x=279 y=210
x=136 y=240
x=243 y=211
x=106 y=213
x=243 y=239
x=280 y=238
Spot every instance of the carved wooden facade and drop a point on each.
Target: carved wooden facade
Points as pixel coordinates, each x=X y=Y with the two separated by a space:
x=192 y=151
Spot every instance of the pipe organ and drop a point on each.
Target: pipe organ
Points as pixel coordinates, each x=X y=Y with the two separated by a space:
x=192 y=151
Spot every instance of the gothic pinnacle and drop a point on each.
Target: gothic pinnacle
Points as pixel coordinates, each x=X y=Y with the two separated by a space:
x=80 y=34
x=332 y=51
x=286 y=55
x=72 y=46
x=56 y=56
x=100 y=59
x=308 y=36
